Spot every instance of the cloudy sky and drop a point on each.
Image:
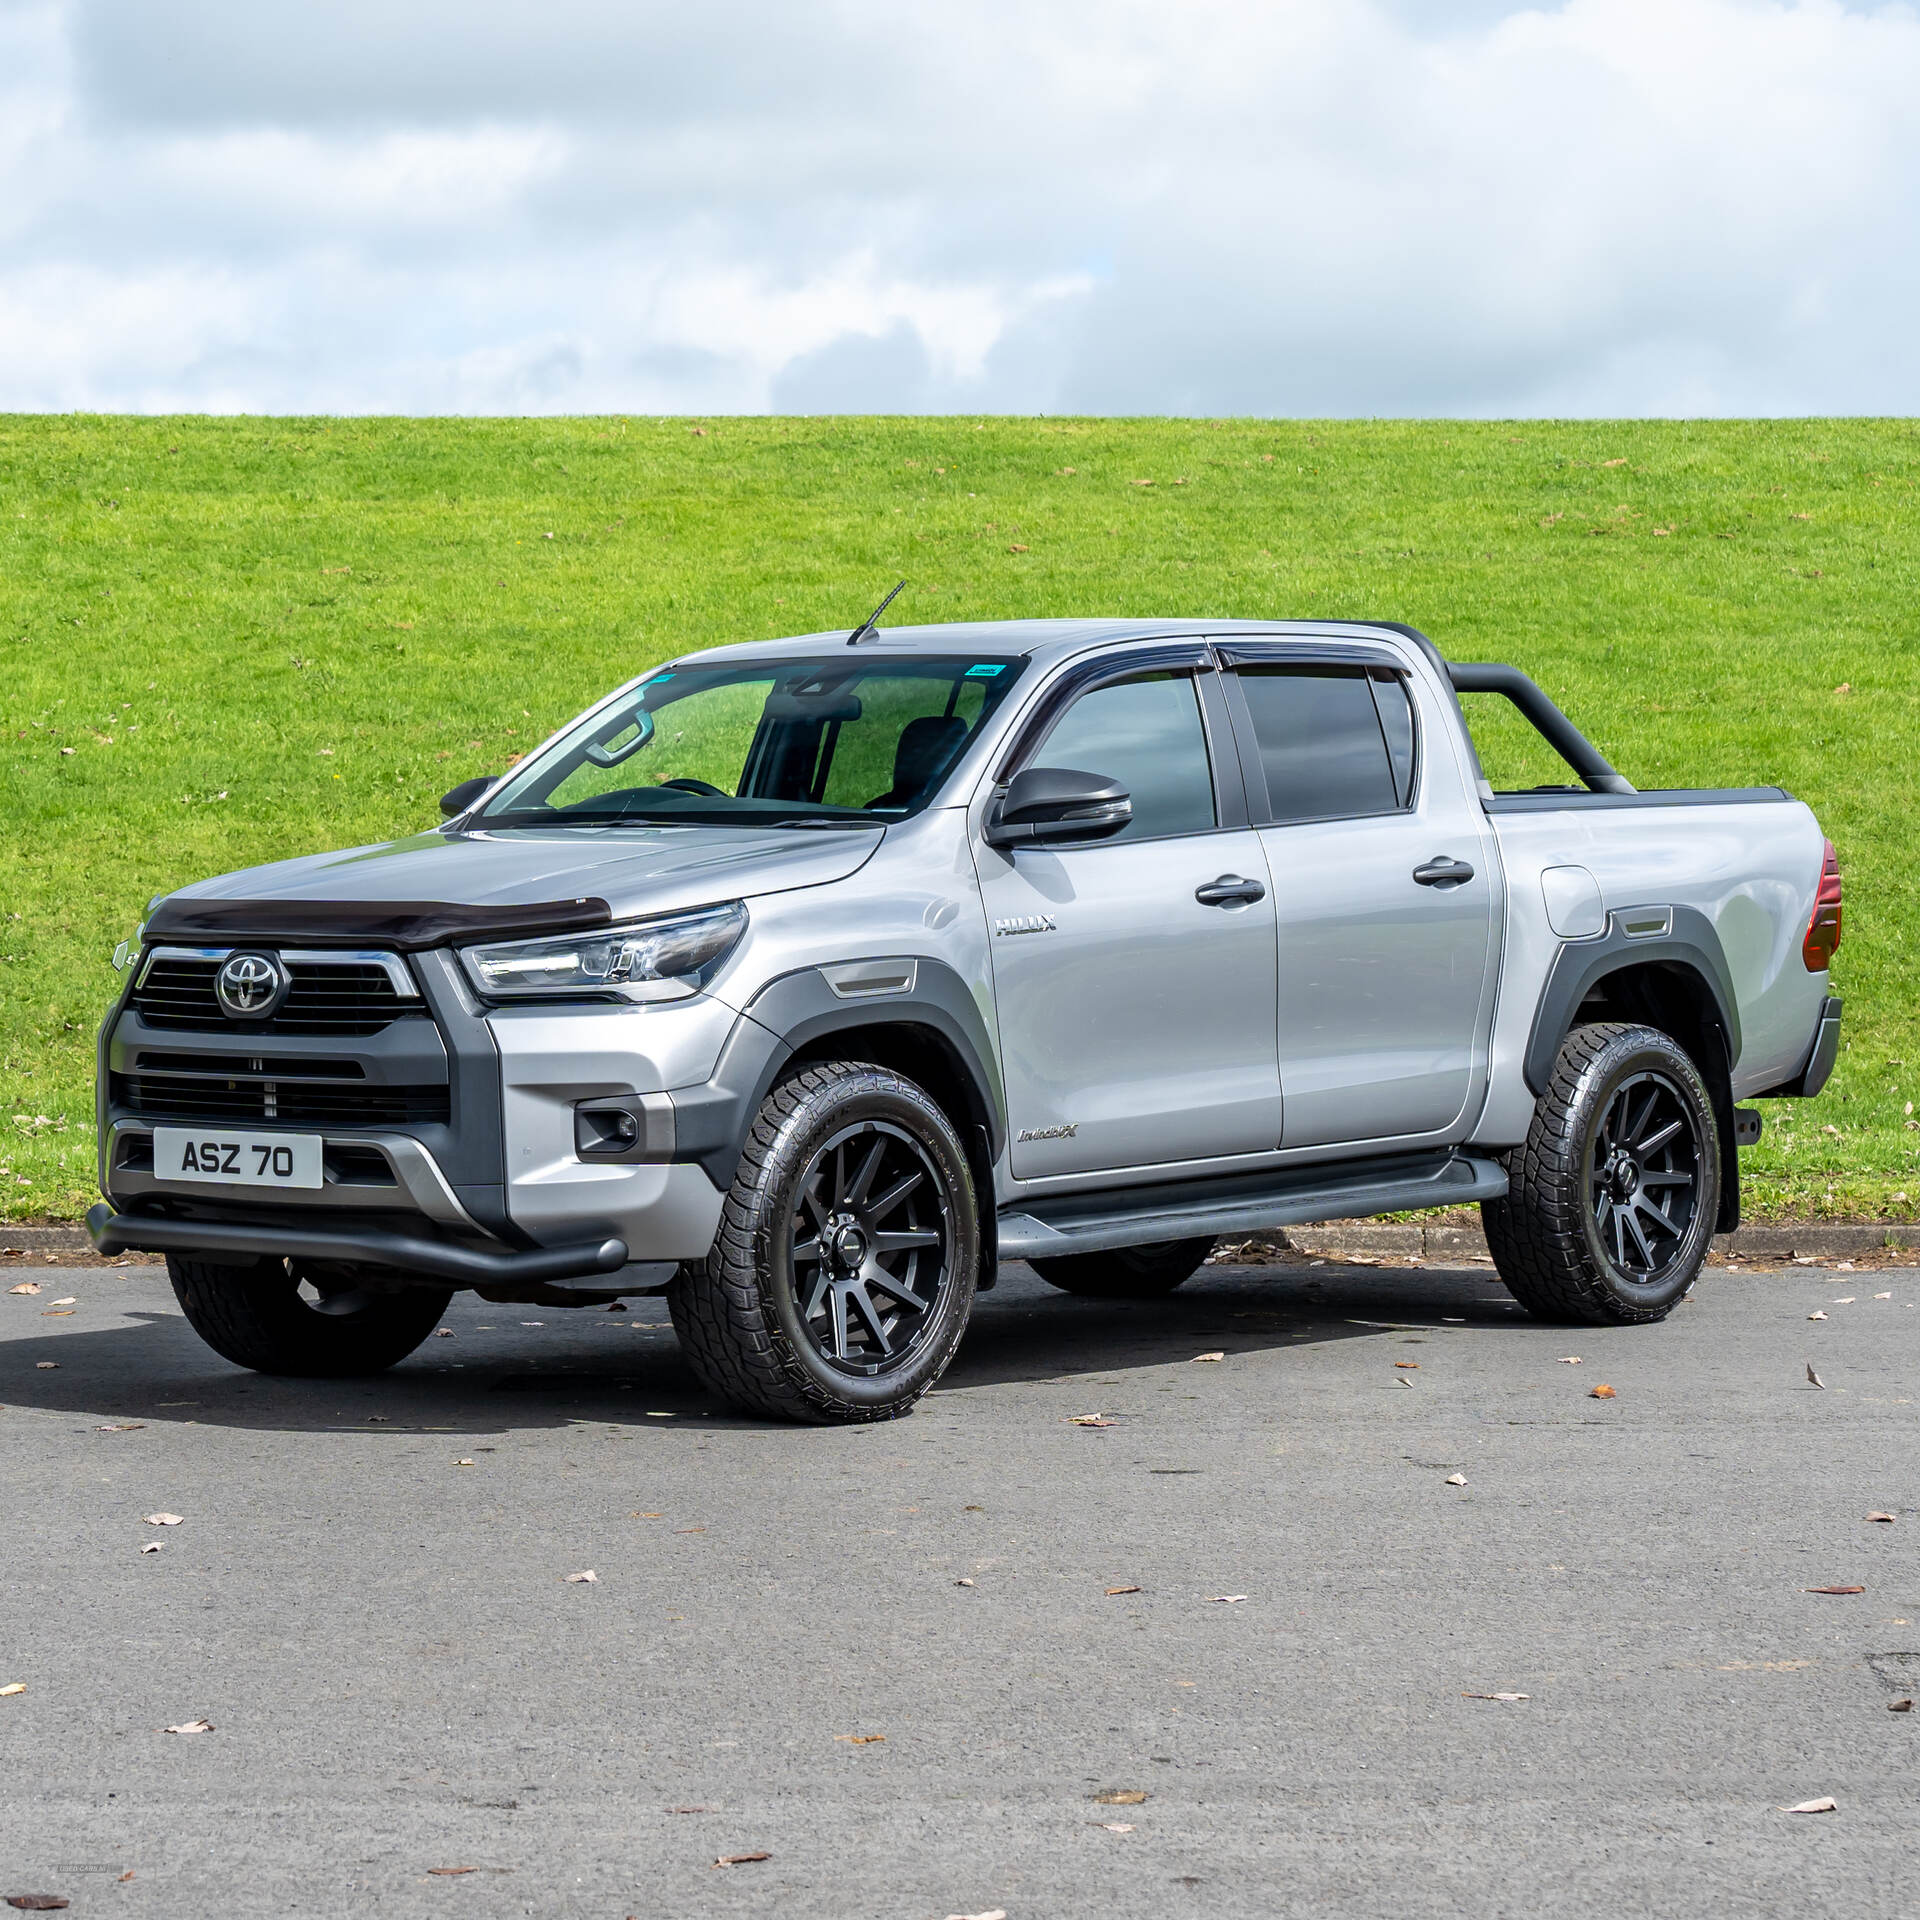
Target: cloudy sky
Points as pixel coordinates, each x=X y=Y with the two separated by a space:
x=1111 y=206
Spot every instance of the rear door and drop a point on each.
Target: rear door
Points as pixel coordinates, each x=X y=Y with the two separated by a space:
x=1384 y=882
x=1135 y=976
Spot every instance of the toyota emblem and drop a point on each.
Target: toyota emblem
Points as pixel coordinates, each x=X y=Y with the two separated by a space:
x=250 y=986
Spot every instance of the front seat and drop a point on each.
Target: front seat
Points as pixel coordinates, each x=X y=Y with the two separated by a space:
x=925 y=746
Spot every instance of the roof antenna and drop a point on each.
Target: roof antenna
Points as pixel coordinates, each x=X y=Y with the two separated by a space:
x=866 y=626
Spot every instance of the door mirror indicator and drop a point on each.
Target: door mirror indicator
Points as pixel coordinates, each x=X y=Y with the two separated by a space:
x=1057 y=803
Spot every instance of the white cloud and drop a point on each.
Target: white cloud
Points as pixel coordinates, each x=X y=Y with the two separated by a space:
x=1297 y=206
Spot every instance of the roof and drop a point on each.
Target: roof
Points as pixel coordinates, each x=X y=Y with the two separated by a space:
x=1052 y=639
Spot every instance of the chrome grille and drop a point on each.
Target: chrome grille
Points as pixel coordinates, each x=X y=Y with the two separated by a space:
x=349 y=995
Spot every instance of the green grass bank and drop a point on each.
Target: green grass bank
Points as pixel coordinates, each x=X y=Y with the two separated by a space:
x=224 y=641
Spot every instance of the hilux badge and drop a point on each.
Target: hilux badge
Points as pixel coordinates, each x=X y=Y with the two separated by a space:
x=1026 y=923
x=250 y=986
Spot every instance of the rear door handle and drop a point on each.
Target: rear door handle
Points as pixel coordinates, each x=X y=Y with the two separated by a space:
x=1442 y=871
x=1230 y=891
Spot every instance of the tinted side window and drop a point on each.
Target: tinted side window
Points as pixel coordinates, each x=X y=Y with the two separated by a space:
x=1321 y=746
x=1145 y=733
x=1390 y=695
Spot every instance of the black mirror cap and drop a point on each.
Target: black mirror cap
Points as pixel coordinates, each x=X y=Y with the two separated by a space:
x=1058 y=803
x=456 y=800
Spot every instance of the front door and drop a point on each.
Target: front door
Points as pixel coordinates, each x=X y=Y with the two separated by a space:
x=1384 y=874
x=1135 y=976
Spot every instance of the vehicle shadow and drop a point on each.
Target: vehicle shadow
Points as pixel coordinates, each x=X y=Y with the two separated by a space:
x=506 y=1369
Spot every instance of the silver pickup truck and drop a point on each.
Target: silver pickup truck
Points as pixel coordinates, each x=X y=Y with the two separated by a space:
x=805 y=981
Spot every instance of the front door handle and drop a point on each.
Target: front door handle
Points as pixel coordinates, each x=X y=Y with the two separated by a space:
x=1230 y=891
x=1442 y=871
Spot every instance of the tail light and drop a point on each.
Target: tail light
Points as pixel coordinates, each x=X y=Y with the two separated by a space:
x=1823 y=930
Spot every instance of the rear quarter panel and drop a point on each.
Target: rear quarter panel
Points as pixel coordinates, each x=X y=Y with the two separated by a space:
x=1751 y=867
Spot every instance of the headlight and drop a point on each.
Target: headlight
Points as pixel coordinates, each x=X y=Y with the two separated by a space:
x=665 y=959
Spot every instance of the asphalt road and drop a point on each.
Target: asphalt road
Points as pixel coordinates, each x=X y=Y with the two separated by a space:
x=890 y=1658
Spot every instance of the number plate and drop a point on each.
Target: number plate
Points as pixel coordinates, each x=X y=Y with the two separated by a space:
x=238 y=1159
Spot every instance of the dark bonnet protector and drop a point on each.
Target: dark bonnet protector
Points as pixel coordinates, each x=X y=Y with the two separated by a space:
x=408 y=924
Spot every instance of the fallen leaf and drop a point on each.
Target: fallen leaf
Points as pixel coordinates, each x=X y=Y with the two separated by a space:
x=26 y=1286
x=1602 y=1392
x=463 y=1463
x=452 y=1873
x=693 y=1809
x=443 y=1333
x=1120 y=1797
x=124 y=1878
x=1412 y=1366
x=1226 y=1599
x=57 y=1313
x=1833 y=1589
x=1496 y=1696
x=1208 y=1356
x=153 y=1546
x=1883 y=1296
x=1456 y=1480
x=1019 y=549
x=1621 y=462
x=1846 y=1300
x=1813 y=1806
x=1813 y=1379
x=998 y=1913
x=1401 y=1380
x=861 y=1739
x=963 y=1583
x=1114 y=1826
x=1114 y=1590
x=46 y=1366
x=739 y=1859
x=13 y=1686
x=1087 y=1420
x=66 y=1300
x=37 y=1902
x=1570 y=1360
x=122 y=1426
x=1900 y=1706
x=1886 y=1519
x=163 y=1519
x=191 y=1726
x=586 y=1579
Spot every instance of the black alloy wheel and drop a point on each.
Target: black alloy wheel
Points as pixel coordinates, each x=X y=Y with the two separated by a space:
x=842 y=1276
x=1645 y=1177
x=320 y=1323
x=1612 y=1197
x=872 y=1248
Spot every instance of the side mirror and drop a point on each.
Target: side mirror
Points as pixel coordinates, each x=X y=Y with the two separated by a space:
x=1057 y=803
x=458 y=799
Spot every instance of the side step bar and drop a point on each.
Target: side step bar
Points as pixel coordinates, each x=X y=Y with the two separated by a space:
x=1253 y=1203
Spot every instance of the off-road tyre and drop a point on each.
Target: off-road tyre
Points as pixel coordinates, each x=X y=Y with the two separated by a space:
x=778 y=1333
x=1127 y=1273
x=257 y=1316
x=1558 y=1236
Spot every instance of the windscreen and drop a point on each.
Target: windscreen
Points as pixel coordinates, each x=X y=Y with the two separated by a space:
x=822 y=741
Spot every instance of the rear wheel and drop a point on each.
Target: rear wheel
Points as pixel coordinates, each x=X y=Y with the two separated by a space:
x=1127 y=1273
x=849 y=1246
x=1613 y=1196
x=274 y=1319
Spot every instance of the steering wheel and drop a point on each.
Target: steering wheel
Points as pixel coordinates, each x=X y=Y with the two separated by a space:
x=698 y=786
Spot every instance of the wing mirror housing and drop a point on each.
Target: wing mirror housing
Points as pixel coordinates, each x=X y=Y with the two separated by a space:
x=1057 y=803
x=456 y=800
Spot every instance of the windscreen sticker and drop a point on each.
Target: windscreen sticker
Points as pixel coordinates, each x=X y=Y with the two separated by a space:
x=985 y=671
